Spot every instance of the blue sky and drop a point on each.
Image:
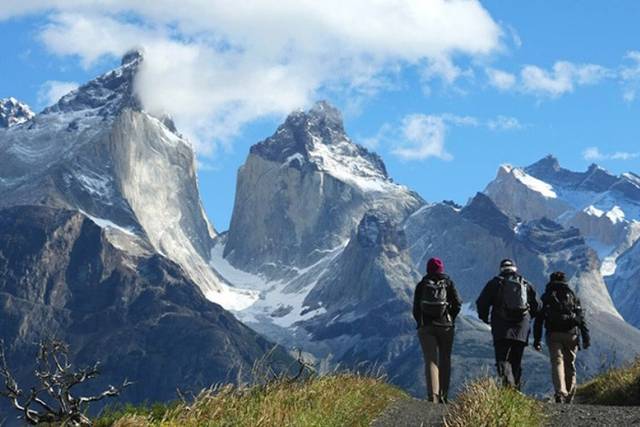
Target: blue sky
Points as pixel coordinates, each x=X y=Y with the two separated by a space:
x=500 y=82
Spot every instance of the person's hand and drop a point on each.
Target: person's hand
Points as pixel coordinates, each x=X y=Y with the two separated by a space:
x=537 y=346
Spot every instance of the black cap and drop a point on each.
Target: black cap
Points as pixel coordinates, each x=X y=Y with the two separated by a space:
x=558 y=276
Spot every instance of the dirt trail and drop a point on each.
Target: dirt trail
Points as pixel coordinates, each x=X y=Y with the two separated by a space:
x=418 y=413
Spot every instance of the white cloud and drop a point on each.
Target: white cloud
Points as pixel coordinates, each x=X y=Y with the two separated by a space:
x=499 y=79
x=443 y=67
x=563 y=78
x=630 y=76
x=594 y=154
x=423 y=135
x=52 y=90
x=423 y=138
x=215 y=65
x=504 y=123
x=456 y=120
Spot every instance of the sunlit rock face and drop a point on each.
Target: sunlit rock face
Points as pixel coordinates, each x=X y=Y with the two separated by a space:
x=97 y=151
x=303 y=190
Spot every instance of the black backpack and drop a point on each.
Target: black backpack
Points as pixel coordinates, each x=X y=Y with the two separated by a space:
x=433 y=298
x=562 y=306
x=514 y=300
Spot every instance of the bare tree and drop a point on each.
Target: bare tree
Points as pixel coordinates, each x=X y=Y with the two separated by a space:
x=51 y=399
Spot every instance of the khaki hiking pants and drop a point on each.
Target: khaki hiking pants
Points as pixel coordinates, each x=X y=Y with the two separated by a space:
x=436 y=343
x=563 y=347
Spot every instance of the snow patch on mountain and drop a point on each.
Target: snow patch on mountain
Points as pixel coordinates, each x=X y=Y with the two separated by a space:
x=530 y=182
x=278 y=302
x=14 y=112
x=342 y=161
x=105 y=223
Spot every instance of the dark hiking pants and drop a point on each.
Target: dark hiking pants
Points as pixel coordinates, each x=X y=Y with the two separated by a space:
x=436 y=343
x=509 y=361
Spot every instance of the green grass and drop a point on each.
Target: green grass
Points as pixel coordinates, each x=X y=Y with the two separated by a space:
x=484 y=403
x=618 y=386
x=334 y=400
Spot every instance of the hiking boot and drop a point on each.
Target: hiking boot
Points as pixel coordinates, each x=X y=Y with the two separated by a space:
x=560 y=399
x=443 y=399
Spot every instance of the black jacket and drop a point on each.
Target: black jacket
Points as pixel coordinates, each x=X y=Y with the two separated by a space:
x=541 y=319
x=453 y=299
x=502 y=328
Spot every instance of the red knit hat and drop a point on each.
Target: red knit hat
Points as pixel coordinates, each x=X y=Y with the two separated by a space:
x=435 y=266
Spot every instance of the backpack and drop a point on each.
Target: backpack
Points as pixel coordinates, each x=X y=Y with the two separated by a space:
x=561 y=310
x=433 y=299
x=514 y=301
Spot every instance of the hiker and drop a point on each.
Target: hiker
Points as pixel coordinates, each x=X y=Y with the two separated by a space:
x=513 y=304
x=562 y=317
x=436 y=304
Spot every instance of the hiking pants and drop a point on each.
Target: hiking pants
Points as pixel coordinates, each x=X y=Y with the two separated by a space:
x=563 y=347
x=436 y=343
x=509 y=361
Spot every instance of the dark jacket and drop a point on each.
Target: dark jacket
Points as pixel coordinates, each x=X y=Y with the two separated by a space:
x=542 y=318
x=453 y=300
x=501 y=328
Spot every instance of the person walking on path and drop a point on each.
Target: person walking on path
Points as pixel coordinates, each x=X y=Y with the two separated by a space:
x=436 y=305
x=508 y=303
x=562 y=317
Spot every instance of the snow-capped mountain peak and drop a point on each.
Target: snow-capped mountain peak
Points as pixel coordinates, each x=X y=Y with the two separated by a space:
x=326 y=183
x=107 y=95
x=532 y=183
x=316 y=139
x=14 y=112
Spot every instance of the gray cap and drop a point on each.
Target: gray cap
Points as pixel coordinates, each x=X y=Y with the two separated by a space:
x=508 y=265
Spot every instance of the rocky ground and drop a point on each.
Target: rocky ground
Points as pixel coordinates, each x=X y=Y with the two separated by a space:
x=422 y=414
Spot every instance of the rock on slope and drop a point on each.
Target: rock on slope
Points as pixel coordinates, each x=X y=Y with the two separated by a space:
x=139 y=314
x=624 y=285
x=13 y=112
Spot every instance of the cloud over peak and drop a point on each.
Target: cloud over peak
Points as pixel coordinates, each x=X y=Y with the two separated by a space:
x=216 y=65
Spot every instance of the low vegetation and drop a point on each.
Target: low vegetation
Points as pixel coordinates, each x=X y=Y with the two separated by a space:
x=618 y=386
x=334 y=400
x=484 y=403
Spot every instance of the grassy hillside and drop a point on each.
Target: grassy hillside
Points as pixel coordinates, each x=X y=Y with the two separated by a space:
x=619 y=386
x=336 y=400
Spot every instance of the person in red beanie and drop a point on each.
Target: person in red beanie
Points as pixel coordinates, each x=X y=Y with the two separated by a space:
x=436 y=305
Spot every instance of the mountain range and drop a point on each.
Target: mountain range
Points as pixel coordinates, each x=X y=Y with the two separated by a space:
x=104 y=243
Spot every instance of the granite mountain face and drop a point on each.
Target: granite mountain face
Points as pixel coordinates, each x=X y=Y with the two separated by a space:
x=308 y=184
x=99 y=152
x=334 y=248
x=104 y=243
